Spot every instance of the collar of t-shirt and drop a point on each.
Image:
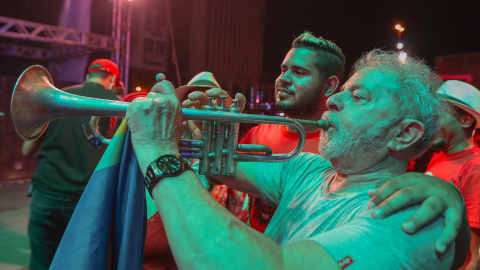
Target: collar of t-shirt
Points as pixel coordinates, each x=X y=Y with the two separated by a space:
x=460 y=154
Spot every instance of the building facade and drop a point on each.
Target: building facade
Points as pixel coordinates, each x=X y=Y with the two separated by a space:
x=464 y=67
x=223 y=37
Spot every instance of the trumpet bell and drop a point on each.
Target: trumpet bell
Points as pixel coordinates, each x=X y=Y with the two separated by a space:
x=28 y=115
x=36 y=102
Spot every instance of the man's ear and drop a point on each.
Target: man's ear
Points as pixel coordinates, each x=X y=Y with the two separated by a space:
x=466 y=120
x=408 y=132
x=331 y=84
x=113 y=79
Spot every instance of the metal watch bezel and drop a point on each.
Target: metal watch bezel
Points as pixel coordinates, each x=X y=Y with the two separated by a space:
x=154 y=173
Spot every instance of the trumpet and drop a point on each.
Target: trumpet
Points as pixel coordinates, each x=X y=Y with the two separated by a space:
x=36 y=102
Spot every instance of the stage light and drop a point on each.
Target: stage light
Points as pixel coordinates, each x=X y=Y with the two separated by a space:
x=399 y=45
x=138 y=88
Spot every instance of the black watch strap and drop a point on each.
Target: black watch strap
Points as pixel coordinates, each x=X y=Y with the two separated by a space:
x=164 y=166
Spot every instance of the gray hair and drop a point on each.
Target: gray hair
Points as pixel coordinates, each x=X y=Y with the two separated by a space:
x=415 y=86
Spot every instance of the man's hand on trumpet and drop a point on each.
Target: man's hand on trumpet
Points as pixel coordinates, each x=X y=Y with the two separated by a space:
x=155 y=122
x=198 y=99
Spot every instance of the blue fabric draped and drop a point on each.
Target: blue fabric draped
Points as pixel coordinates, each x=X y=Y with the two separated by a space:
x=108 y=227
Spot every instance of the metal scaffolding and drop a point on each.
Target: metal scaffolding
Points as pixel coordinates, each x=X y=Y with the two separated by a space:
x=121 y=21
x=55 y=35
x=68 y=43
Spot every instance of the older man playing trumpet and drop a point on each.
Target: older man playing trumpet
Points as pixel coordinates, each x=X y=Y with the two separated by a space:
x=322 y=220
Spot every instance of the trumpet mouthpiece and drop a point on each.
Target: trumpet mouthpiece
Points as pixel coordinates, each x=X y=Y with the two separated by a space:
x=322 y=124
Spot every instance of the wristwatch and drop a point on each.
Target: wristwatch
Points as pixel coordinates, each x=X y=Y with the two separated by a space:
x=164 y=166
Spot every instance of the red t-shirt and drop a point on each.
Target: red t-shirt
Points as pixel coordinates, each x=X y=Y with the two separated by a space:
x=463 y=169
x=157 y=254
x=281 y=141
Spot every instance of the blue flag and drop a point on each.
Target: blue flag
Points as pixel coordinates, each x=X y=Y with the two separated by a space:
x=109 y=223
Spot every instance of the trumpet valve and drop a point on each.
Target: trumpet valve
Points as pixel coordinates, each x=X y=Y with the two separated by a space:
x=234 y=108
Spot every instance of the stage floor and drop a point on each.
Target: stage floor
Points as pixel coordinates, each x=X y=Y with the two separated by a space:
x=14 y=211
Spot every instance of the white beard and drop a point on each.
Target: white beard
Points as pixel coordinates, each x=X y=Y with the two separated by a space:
x=343 y=145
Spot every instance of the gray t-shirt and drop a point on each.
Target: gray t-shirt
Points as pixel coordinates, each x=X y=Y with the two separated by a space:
x=342 y=224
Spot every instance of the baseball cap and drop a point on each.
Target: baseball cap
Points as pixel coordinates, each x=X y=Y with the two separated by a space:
x=105 y=65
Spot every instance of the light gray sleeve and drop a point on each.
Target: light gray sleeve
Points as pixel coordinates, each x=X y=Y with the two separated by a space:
x=368 y=243
x=274 y=179
x=270 y=181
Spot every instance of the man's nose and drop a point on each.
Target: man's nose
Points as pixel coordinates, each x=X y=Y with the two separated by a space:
x=335 y=103
x=285 y=78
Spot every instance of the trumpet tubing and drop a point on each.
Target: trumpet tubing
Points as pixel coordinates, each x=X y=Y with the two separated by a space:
x=36 y=102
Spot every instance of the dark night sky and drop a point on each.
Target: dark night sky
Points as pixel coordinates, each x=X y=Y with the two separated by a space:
x=432 y=28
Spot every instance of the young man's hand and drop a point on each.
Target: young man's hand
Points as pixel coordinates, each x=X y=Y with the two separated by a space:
x=198 y=99
x=436 y=195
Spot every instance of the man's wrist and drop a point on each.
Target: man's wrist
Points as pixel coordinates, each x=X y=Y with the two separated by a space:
x=146 y=155
x=163 y=167
x=458 y=192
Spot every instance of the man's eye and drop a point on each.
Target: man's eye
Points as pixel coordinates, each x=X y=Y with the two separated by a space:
x=357 y=97
x=300 y=72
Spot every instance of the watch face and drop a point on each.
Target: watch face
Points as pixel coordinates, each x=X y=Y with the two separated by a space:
x=169 y=165
x=164 y=166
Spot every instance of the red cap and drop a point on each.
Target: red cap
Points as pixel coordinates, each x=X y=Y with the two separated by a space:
x=105 y=65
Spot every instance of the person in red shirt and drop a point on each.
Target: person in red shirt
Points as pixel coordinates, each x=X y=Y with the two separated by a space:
x=310 y=73
x=459 y=160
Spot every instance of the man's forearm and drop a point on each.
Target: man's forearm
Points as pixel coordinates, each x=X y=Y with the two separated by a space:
x=244 y=179
x=204 y=235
